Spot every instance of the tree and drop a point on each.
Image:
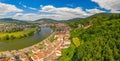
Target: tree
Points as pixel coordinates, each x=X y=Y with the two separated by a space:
x=76 y=41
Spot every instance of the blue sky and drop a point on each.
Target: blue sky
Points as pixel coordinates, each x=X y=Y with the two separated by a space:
x=85 y=4
x=55 y=9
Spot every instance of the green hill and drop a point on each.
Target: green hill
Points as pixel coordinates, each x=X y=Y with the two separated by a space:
x=98 y=42
x=10 y=20
x=46 y=20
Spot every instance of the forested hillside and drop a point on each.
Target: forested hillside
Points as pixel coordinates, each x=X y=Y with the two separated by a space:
x=98 y=42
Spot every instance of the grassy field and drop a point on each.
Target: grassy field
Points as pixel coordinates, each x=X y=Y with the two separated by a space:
x=19 y=34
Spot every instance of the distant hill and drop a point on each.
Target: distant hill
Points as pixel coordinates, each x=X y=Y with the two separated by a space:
x=102 y=14
x=10 y=20
x=47 y=20
x=7 y=19
x=73 y=20
x=77 y=19
x=93 y=16
x=52 y=20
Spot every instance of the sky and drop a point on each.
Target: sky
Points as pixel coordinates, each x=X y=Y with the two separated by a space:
x=31 y=10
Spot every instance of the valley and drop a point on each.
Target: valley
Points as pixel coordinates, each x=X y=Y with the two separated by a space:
x=44 y=50
x=93 y=38
x=59 y=30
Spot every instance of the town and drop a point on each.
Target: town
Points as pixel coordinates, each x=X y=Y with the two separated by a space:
x=13 y=27
x=45 y=50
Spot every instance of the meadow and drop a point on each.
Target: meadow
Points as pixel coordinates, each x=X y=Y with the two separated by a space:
x=17 y=35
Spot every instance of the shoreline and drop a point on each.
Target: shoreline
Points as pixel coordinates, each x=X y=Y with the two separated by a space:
x=44 y=50
x=2 y=52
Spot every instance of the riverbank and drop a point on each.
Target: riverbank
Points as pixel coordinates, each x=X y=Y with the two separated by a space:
x=17 y=35
x=45 y=50
x=17 y=44
x=28 y=48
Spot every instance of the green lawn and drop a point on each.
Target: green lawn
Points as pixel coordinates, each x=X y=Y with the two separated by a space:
x=19 y=34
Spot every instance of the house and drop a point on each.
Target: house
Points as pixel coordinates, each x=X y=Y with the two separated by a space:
x=35 y=50
x=46 y=52
x=60 y=37
x=41 y=56
x=38 y=57
x=67 y=44
x=24 y=57
x=55 y=36
x=58 y=53
x=80 y=26
x=35 y=58
x=12 y=59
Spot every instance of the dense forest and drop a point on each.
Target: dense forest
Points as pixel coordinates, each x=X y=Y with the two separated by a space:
x=97 y=40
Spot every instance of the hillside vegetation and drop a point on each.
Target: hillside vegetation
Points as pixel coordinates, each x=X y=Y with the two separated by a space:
x=46 y=20
x=98 y=42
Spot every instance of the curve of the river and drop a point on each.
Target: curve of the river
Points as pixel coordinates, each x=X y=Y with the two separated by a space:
x=25 y=42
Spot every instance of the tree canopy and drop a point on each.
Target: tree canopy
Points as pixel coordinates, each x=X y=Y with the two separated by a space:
x=99 y=42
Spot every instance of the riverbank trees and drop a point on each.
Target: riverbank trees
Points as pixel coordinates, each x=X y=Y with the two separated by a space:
x=17 y=35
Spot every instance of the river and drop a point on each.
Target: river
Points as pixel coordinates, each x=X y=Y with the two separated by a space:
x=25 y=42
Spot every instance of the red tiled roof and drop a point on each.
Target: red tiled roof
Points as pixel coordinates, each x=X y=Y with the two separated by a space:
x=35 y=49
x=40 y=55
x=45 y=52
x=35 y=57
x=57 y=42
x=27 y=59
x=60 y=36
x=11 y=60
x=59 y=49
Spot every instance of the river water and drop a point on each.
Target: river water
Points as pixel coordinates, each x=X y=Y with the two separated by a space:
x=25 y=42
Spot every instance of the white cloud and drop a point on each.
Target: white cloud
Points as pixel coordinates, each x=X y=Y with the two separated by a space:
x=32 y=8
x=62 y=10
x=64 y=13
x=115 y=11
x=24 y=6
x=32 y=16
x=7 y=8
x=49 y=11
x=112 y=5
x=20 y=3
x=29 y=16
x=94 y=11
x=41 y=6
